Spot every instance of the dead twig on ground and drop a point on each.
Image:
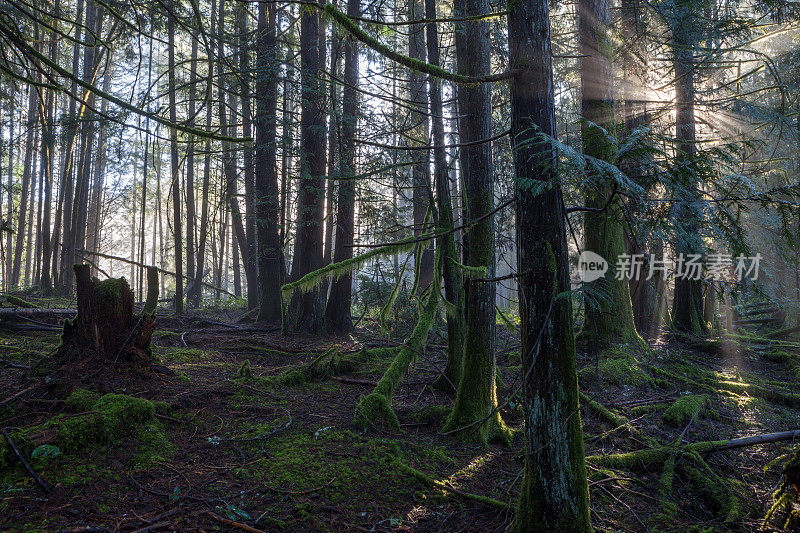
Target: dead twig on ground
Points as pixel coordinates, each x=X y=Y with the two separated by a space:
x=42 y=485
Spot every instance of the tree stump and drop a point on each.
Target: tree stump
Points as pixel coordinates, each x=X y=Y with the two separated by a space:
x=106 y=327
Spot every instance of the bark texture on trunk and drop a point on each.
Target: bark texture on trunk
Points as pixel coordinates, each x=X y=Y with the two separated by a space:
x=306 y=312
x=338 y=314
x=476 y=398
x=451 y=274
x=270 y=269
x=609 y=315
x=687 y=305
x=554 y=493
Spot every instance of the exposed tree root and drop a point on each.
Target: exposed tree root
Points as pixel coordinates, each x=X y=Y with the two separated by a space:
x=430 y=482
x=607 y=415
x=331 y=363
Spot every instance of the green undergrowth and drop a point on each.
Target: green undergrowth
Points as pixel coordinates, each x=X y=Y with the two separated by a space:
x=91 y=425
x=349 y=468
x=618 y=365
x=171 y=355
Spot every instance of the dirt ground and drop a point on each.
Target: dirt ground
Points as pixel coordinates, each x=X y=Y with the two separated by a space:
x=226 y=447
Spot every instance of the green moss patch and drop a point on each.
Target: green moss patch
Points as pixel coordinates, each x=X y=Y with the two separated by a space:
x=93 y=422
x=683 y=409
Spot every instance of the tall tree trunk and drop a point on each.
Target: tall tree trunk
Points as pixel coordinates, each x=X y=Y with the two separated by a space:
x=27 y=171
x=247 y=155
x=270 y=269
x=10 y=188
x=197 y=289
x=191 y=215
x=687 y=305
x=476 y=398
x=175 y=170
x=229 y=168
x=148 y=149
x=646 y=294
x=418 y=132
x=77 y=234
x=29 y=246
x=306 y=312
x=95 y=205
x=609 y=315
x=338 y=313
x=68 y=171
x=453 y=280
x=48 y=158
x=554 y=493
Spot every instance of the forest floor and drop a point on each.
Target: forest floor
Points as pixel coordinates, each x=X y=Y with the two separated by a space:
x=225 y=445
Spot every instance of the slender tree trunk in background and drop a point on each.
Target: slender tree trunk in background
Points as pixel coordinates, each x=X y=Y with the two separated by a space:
x=646 y=294
x=175 y=171
x=35 y=279
x=334 y=130
x=95 y=205
x=337 y=312
x=77 y=232
x=48 y=159
x=306 y=312
x=247 y=155
x=451 y=273
x=237 y=274
x=32 y=200
x=29 y=244
x=191 y=215
x=64 y=225
x=229 y=166
x=476 y=398
x=687 y=305
x=145 y=166
x=609 y=316
x=197 y=289
x=27 y=170
x=10 y=188
x=287 y=147
x=418 y=132
x=270 y=270
x=286 y=151
x=554 y=493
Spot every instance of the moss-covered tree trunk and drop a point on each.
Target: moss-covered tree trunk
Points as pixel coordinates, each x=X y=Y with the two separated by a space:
x=609 y=315
x=476 y=399
x=453 y=289
x=106 y=328
x=554 y=495
x=687 y=305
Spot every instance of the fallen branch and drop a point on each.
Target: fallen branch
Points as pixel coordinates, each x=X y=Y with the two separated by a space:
x=14 y=313
x=9 y=364
x=365 y=382
x=231 y=523
x=42 y=485
x=654 y=456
